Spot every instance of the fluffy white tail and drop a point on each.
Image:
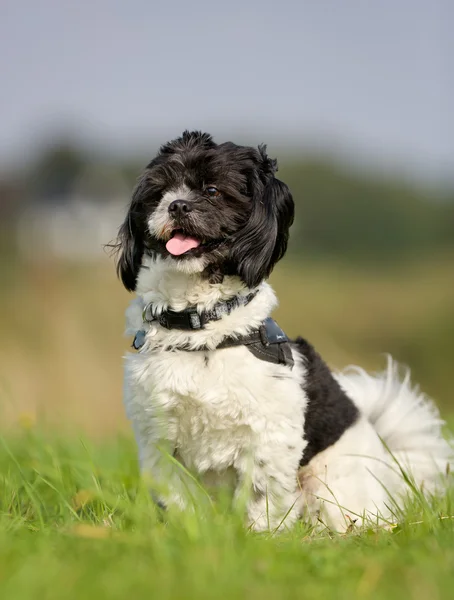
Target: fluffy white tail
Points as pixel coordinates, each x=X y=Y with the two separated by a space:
x=405 y=419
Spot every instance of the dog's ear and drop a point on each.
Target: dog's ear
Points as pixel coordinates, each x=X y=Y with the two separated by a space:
x=130 y=241
x=263 y=240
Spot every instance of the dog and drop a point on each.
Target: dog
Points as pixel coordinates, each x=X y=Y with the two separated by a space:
x=215 y=388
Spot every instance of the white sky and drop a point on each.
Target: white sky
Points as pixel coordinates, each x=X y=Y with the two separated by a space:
x=373 y=78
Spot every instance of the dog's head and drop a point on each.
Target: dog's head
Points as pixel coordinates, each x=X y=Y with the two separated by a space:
x=208 y=208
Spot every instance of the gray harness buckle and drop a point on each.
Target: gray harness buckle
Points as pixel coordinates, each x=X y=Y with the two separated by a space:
x=139 y=340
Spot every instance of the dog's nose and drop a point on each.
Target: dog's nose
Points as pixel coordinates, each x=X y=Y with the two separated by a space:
x=179 y=208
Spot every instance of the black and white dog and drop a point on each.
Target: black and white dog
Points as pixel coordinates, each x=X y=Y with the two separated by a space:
x=215 y=382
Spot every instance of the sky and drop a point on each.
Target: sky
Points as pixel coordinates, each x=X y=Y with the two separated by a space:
x=369 y=80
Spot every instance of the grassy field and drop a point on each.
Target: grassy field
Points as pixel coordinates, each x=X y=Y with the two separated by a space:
x=77 y=522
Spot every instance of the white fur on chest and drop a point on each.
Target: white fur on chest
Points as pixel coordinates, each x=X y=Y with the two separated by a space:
x=216 y=408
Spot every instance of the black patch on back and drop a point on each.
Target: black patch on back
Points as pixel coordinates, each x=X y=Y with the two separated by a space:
x=330 y=412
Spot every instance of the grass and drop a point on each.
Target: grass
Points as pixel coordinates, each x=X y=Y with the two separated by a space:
x=76 y=521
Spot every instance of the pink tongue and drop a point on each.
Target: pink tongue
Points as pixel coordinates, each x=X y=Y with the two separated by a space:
x=180 y=244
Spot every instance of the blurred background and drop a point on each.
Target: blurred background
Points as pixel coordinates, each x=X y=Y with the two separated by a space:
x=355 y=99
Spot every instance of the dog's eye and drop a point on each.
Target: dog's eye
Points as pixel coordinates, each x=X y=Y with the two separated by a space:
x=212 y=192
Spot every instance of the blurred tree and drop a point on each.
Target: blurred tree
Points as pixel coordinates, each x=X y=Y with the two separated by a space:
x=362 y=218
x=53 y=174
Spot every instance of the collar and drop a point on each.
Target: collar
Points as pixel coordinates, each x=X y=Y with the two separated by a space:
x=190 y=318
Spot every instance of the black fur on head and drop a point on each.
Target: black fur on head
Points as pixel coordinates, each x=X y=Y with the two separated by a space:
x=228 y=208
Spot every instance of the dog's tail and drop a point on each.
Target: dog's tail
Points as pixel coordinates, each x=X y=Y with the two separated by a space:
x=405 y=419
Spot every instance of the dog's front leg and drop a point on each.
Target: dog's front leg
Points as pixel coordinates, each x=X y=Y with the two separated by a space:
x=161 y=470
x=269 y=492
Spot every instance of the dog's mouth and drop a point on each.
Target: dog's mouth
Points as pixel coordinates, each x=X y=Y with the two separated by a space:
x=181 y=243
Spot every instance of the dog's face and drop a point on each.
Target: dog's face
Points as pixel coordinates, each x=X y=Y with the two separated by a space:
x=207 y=208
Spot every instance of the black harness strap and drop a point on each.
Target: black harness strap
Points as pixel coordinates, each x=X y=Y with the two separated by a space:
x=268 y=343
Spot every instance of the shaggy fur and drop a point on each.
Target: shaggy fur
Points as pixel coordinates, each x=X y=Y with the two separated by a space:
x=299 y=442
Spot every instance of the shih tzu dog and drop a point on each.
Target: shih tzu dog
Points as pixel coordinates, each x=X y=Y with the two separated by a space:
x=215 y=388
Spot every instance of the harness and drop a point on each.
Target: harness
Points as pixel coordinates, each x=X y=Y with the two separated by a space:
x=267 y=342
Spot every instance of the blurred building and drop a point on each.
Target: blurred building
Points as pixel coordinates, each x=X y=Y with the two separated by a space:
x=76 y=223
